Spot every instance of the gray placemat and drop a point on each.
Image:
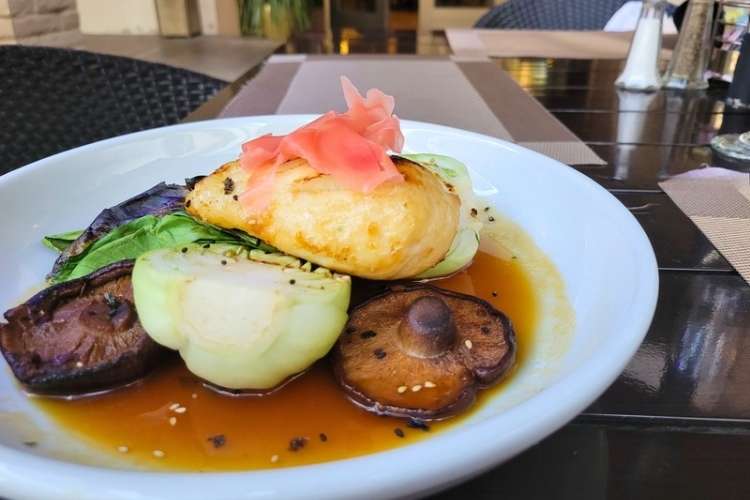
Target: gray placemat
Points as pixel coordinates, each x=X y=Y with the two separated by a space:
x=544 y=43
x=467 y=93
x=717 y=200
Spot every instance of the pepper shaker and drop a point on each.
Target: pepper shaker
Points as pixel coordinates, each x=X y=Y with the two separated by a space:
x=687 y=69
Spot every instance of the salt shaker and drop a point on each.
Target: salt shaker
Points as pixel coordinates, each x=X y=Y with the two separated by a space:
x=687 y=69
x=642 y=66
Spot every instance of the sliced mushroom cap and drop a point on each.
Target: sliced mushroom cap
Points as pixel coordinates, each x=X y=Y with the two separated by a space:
x=79 y=336
x=422 y=352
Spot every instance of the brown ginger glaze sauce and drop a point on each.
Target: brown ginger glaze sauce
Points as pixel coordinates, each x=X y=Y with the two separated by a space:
x=222 y=433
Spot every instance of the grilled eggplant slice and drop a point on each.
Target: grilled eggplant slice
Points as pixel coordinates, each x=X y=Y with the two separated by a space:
x=80 y=336
x=161 y=199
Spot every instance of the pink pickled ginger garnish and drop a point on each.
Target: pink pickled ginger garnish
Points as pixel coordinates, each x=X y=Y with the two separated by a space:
x=351 y=147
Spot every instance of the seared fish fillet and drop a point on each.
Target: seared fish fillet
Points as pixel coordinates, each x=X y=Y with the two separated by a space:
x=396 y=231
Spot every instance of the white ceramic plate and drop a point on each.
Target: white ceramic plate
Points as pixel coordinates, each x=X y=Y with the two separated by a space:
x=603 y=256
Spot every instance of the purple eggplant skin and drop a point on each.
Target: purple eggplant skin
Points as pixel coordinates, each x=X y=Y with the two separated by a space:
x=81 y=336
x=161 y=199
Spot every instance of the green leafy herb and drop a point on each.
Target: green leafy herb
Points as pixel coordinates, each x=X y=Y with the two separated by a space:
x=60 y=242
x=146 y=233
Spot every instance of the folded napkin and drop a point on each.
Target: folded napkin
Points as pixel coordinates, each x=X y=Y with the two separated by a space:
x=717 y=200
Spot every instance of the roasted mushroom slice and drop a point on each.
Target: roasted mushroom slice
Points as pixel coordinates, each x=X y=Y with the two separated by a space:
x=422 y=352
x=79 y=336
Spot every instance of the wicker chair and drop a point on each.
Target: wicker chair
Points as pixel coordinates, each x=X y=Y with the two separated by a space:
x=56 y=99
x=550 y=14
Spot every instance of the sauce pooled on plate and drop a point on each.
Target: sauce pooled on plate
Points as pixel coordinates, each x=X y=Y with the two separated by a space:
x=169 y=420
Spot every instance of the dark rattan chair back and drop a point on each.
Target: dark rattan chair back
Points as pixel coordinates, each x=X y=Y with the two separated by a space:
x=551 y=14
x=56 y=99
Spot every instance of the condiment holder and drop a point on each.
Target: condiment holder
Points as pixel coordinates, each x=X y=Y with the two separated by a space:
x=730 y=28
x=689 y=62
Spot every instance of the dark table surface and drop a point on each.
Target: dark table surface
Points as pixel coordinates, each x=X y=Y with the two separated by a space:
x=676 y=424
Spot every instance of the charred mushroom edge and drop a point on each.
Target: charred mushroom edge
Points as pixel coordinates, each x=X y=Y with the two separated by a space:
x=121 y=371
x=467 y=397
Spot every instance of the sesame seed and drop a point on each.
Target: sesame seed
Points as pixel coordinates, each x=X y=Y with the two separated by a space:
x=223 y=262
x=181 y=409
x=79 y=364
x=158 y=453
x=235 y=197
x=429 y=384
x=486 y=209
x=323 y=437
x=123 y=449
x=174 y=406
x=379 y=353
x=399 y=432
x=474 y=212
x=218 y=440
x=402 y=389
x=468 y=344
x=172 y=421
x=494 y=293
x=274 y=459
x=416 y=388
x=297 y=443
x=194 y=396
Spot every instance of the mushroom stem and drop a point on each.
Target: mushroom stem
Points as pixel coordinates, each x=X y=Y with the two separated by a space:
x=427 y=329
